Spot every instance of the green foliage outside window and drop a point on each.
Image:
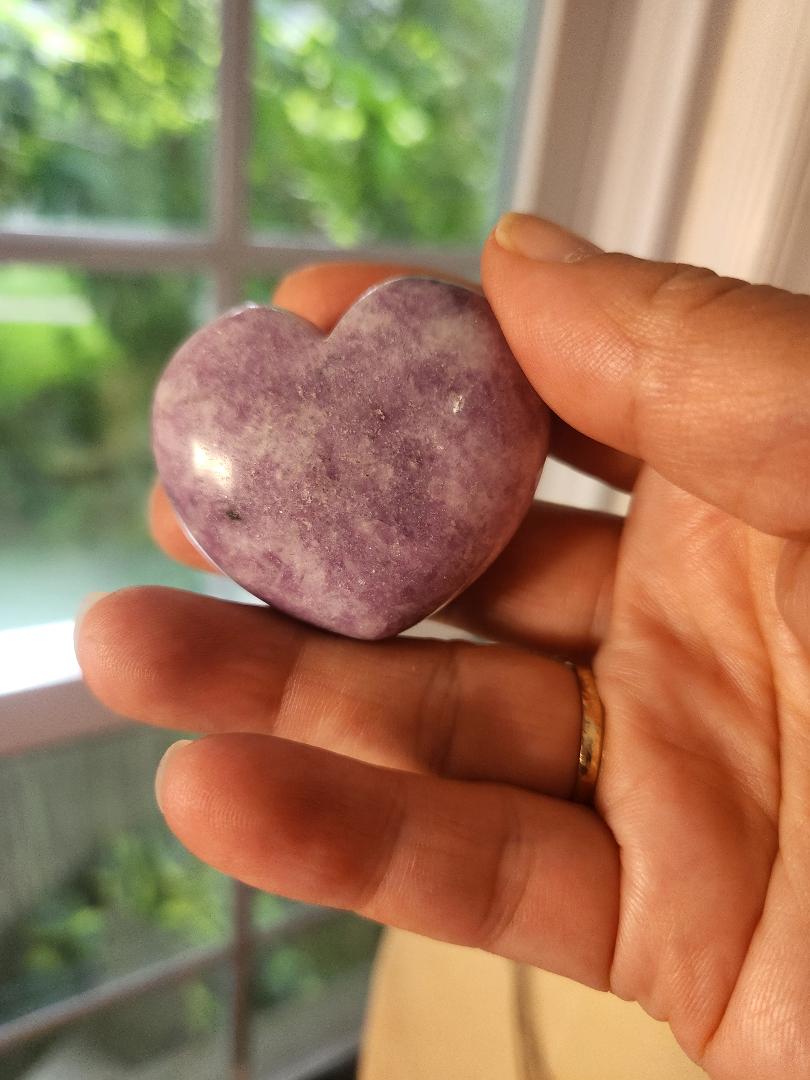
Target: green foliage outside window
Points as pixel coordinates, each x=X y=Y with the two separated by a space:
x=381 y=118
x=372 y=119
x=106 y=108
x=142 y=897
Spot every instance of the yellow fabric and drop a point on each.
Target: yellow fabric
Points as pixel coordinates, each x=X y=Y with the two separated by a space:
x=440 y=1012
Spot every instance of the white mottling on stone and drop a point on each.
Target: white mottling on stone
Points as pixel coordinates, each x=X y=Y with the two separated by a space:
x=209 y=463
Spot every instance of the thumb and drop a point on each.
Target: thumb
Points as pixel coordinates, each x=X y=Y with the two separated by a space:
x=707 y=379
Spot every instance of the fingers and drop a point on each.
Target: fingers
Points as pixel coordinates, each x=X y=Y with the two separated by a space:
x=705 y=378
x=591 y=457
x=193 y=663
x=322 y=293
x=551 y=588
x=477 y=864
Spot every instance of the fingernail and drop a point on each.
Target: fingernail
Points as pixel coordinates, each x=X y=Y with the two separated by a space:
x=89 y=601
x=160 y=775
x=534 y=238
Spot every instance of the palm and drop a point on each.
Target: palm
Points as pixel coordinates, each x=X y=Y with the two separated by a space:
x=691 y=784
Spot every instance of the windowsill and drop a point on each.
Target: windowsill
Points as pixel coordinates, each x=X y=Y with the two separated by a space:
x=43 y=700
x=37 y=656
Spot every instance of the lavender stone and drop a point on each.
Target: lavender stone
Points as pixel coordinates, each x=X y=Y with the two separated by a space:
x=359 y=480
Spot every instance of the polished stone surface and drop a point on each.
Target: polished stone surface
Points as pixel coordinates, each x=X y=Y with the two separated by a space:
x=357 y=480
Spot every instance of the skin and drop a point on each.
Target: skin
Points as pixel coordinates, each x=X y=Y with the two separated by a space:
x=425 y=784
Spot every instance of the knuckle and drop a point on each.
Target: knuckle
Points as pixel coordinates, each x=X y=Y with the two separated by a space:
x=372 y=886
x=677 y=294
x=284 y=717
x=439 y=712
x=681 y=280
x=682 y=288
x=674 y=318
x=509 y=884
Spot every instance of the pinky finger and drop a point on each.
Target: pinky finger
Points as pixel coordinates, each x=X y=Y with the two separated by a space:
x=484 y=865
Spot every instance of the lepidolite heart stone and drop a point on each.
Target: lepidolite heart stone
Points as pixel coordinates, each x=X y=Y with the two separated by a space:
x=358 y=480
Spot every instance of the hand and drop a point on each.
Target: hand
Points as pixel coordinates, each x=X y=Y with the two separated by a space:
x=425 y=784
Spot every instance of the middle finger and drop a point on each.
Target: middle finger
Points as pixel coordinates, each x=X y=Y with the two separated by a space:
x=457 y=709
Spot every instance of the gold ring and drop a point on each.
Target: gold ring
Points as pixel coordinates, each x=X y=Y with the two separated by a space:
x=593 y=734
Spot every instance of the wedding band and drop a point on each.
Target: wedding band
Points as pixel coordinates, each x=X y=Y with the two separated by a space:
x=593 y=733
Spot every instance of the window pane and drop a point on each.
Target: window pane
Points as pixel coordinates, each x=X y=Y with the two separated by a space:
x=310 y=991
x=268 y=910
x=178 y=1032
x=260 y=289
x=106 y=109
x=381 y=118
x=102 y=889
x=79 y=356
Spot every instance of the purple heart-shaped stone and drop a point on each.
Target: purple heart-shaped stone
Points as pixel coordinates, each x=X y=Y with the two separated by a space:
x=358 y=480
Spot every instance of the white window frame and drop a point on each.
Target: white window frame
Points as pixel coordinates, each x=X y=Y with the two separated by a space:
x=629 y=127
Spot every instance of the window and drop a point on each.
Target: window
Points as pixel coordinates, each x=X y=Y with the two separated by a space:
x=158 y=162
x=79 y=354
x=161 y=160
x=335 y=123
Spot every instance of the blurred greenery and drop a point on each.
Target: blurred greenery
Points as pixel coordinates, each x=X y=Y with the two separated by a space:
x=260 y=290
x=372 y=119
x=302 y=967
x=75 y=386
x=79 y=356
x=106 y=108
x=140 y=898
x=381 y=118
